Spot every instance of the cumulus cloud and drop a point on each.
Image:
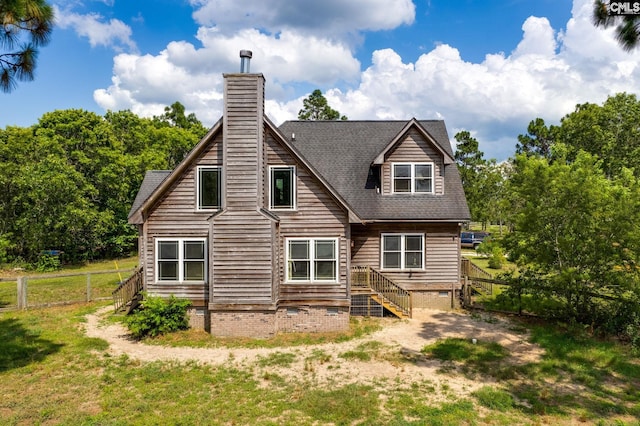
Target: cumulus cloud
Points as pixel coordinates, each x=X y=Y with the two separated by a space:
x=99 y=31
x=306 y=16
x=546 y=75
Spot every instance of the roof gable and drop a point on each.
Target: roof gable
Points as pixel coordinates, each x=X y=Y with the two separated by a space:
x=157 y=183
x=148 y=195
x=413 y=123
x=343 y=153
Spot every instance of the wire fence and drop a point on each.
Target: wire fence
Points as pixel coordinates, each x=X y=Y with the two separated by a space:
x=59 y=289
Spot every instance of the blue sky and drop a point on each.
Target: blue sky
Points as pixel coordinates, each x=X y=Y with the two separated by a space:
x=488 y=67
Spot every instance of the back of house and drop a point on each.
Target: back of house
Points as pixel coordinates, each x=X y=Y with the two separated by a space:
x=264 y=227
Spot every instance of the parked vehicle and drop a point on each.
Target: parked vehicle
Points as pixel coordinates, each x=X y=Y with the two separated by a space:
x=472 y=239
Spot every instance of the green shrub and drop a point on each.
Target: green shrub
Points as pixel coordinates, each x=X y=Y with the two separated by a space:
x=48 y=263
x=494 y=252
x=157 y=315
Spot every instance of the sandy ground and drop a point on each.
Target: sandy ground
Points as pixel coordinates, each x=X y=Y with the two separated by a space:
x=396 y=356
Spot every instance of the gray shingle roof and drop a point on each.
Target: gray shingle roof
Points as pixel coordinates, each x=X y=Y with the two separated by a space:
x=152 y=180
x=342 y=152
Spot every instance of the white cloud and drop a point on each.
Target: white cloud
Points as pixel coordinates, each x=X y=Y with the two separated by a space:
x=193 y=76
x=111 y=33
x=548 y=73
x=305 y=16
x=545 y=76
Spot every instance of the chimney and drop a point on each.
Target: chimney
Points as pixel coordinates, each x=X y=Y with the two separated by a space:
x=245 y=61
x=243 y=130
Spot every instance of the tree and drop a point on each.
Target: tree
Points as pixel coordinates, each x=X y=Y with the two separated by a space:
x=470 y=161
x=68 y=182
x=576 y=239
x=609 y=131
x=26 y=25
x=538 y=140
x=175 y=116
x=627 y=29
x=316 y=107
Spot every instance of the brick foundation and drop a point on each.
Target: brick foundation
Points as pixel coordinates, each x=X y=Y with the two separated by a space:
x=306 y=319
x=256 y=324
x=435 y=299
x=197 y=318
x=264 y=324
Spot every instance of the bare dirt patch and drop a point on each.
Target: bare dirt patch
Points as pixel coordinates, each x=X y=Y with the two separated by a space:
x=394 y=351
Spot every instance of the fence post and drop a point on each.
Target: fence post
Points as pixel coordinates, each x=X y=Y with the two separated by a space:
x=88 y=287
x=467 y=295
x=22 y=292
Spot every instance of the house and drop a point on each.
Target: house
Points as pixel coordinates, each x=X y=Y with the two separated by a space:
x=268 y=229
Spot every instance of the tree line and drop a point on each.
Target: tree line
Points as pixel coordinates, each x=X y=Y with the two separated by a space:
x=570 y=196
x=67 y=182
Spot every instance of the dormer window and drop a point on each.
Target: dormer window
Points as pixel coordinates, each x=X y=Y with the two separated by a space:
x=282 y=187
x=412 y=178
x=209 y=188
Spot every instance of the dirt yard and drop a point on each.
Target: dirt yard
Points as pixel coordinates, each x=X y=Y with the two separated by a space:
x=397 y=342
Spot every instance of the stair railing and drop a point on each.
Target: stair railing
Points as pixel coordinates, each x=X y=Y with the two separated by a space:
x=365 y=276
x=127 y=290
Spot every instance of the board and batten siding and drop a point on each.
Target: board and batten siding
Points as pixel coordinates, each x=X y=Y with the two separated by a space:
x=442 y=253
x=317 y=215
x=176 y=216
x=414 y=149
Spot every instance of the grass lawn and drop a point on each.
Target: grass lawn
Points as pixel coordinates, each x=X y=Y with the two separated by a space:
x=51 y=373
x=45 y=289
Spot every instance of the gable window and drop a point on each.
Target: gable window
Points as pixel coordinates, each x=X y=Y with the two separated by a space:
x=179 y=259
x=312 y=259
x=402 y=251
x=209 y=188
x=412 y=177
x=282 y=184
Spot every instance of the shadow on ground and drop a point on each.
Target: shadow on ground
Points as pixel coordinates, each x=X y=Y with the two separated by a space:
x=20 y=346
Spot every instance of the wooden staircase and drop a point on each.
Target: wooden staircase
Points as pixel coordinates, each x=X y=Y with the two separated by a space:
x=382 y=290
x=129 y=292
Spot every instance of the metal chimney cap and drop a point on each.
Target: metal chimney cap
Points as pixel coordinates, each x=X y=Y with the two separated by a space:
x=246 y=54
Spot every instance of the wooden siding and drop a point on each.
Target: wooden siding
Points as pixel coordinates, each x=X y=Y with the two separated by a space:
x=317 y=215
x=243 y=257
x=243 y=253
x=243 y=131
x=442 y=253
x=414 y=149
x=175 y=215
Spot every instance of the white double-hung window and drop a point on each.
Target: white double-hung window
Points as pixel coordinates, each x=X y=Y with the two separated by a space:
x=402 y=251
x=312 y=259
x=412 y=178
x=181 y=259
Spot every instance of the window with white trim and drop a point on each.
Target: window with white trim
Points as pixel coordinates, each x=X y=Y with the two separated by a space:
x=312 y=259
x=209 y=187
x=282 y=187
x=402 y=251
x=412 y=178
x=180 y=259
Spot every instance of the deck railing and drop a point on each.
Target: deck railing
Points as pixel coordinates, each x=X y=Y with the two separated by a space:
x=469 y=269
x=127 y=290
x=367 y=277
x=476 y=277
